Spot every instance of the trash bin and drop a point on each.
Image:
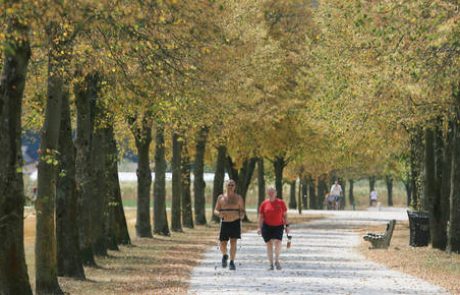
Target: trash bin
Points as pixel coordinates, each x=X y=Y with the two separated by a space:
x=419 y=225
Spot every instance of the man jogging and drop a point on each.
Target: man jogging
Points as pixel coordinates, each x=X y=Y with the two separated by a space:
x=230 y=208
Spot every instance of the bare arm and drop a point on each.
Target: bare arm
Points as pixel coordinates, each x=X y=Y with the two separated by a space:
x=218 y=206
x=286 y=222
x=261 y=222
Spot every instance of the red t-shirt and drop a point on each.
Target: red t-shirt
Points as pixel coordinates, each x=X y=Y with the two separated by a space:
x=273 y=212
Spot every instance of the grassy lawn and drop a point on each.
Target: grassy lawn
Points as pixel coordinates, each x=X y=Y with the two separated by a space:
x=361 y=193
x=426 y=263
x=161 y=265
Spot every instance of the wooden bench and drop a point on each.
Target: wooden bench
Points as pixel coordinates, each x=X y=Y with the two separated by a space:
x=381 y=241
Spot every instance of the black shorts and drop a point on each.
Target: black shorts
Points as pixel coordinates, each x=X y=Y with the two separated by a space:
x=272 y=232
x=230 y=230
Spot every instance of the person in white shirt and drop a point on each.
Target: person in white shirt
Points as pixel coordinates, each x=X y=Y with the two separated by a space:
x=373 y=197
x=336 y=192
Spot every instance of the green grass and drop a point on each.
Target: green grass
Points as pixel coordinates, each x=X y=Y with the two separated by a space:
x=361 y=193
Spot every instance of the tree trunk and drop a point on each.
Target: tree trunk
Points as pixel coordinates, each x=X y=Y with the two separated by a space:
x=299 y=196
x=176 y=224
x=143 y=137
x=444 y=209
x=260 y=181
x=68 y=249
x=110 y=230
x=453 y=233
x=312 y=193
x=120 y=226
x=371 y=183
x=86 y=95
x=416 y=158
x=351 y=197
x=389 y=183
x=219 y=177
x=159 y=190
x=199 y=184
x=279 y=165
x=408 y=186
x=45 y=245
x=292 y=195
x=304 y=181
x=100 y=191
x=438 y=232
x=14 y=278
x=322 y=188
x=245 y=176
x=186 y=166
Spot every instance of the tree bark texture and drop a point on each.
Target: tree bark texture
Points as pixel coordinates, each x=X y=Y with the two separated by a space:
x=453 y=233
x=120 y=226
x=176 y=206
x=143 y=138
x=14 y=278
x=304 y=181
x=389 y=183
x=199 y=184
x=279 y=163
x=292 y=195
x=86 y=94
x=312 y=193
x=186 y=166
x=160 y=221
x=68 y=248
x=45 y=247
x=219 y=177
x=351 y=197
x=260 y=181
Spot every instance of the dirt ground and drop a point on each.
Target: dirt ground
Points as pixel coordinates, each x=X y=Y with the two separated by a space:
x=161 y=265
x=430 y=264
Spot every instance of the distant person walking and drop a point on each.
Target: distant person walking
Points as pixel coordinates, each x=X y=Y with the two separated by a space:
x=373 y=197
x=273 y=220
x=230 y=208
x=336 y=194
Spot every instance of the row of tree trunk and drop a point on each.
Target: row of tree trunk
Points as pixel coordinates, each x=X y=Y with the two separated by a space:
x=78 y=206
x=436 y=165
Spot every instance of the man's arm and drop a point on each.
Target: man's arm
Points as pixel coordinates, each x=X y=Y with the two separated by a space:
x=218 y=206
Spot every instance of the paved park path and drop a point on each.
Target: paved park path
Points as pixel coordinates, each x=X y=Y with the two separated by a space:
x=322 y=260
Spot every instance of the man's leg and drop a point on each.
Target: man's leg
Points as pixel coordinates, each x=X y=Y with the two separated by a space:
x=223 y=250
x=277 y=253
x=232 y=254
x=232 y=249
x=223 y=247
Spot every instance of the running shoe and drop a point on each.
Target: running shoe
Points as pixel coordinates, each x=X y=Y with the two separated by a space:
x=224 y=260
x=278 y=265
x=271 y=267
x=232 y=265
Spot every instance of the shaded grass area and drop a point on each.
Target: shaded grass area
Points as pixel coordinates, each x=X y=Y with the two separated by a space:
x=435 y=266
x=161 y=265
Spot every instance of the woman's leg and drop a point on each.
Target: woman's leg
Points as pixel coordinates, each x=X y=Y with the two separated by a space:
x=270 y=251
x=277 y=249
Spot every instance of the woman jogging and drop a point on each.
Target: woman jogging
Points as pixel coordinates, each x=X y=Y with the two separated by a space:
x=272 y=222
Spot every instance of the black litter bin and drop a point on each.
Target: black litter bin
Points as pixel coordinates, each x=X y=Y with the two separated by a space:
x=419 y=224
